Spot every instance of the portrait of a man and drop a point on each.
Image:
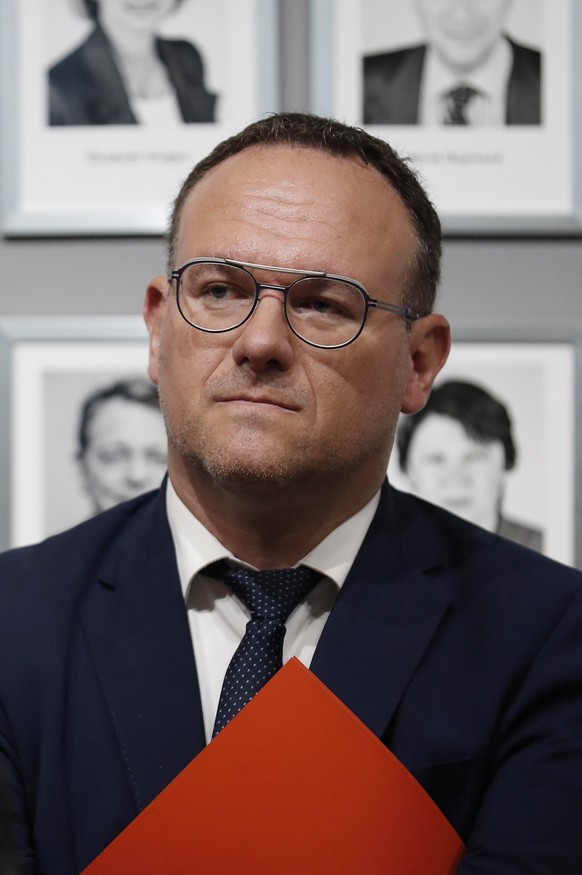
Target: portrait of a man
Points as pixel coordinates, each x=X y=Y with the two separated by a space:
x=468 y=71
x=121 y=442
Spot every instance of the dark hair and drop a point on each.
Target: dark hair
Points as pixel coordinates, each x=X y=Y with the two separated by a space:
x=91 y=7
x=329 y=135
x=484 y=418
x=137 y=389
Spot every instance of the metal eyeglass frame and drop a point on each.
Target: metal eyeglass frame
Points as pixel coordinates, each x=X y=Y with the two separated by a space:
x=406 y=312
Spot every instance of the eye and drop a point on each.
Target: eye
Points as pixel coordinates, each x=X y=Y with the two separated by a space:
x=218 y=291
x=478 y=454
x=112 y=455
x=320 y=305
x=224 y=295
x=156 y=457
x=325 y=300
x=435 y=458
x=213 y=285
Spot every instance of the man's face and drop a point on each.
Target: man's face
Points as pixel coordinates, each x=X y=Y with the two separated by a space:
x=256 y=408
x=126 y=452
x=448 y=467
x=463 y=32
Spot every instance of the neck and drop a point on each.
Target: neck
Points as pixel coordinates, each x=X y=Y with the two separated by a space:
x=129 y=44
x=269 y=528
x=465 y=70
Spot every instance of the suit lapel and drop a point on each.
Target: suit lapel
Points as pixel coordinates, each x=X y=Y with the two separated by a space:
x=137 y=628
x=110 y=104
x=523 y=89
x=385 y=616
x=406 y=87
x=392 y=86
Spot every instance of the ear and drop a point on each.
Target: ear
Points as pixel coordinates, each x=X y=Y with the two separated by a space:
x=430 y=342
x=153 y=311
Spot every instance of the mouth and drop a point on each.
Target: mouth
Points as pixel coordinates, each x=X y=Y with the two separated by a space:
x=258 y=399
x=464 y=36
x=142 y=8
x=456 y=502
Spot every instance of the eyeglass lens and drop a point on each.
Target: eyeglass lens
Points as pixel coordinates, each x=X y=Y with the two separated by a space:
x=217 y=297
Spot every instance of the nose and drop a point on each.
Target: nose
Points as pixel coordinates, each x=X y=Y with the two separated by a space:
x=458 y=473
x=461 y=11
x=265 y=341
x=137 y=469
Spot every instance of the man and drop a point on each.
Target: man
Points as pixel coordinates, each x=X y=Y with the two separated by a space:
x=295 y=326
x=122 y=442
x=457 y=451
x=469 y=72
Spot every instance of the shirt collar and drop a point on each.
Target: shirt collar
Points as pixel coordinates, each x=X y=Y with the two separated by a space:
x=196 y=547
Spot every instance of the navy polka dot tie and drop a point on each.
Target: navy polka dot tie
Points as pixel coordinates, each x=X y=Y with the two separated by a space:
x=270 y=596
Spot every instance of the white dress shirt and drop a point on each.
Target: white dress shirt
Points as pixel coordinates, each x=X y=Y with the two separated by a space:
x=490 y=80
x=218 y=618
x=160 y=111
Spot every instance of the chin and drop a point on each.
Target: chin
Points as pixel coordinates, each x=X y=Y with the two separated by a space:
x=249 y=482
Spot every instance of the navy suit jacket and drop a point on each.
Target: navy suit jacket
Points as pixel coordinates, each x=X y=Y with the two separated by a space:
x=460 y=650
x=86 y=87
x=392 y=87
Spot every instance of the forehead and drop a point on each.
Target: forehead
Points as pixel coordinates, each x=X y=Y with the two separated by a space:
x=116 y=411
x=438 y=433
x=288 y=206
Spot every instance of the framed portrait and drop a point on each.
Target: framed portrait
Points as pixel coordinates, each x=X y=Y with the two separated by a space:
x=496 y=443
x=105 y=110
x=485 y=101
x=84 y=429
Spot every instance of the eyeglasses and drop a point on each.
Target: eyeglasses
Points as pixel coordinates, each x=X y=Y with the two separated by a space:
x=324 y=310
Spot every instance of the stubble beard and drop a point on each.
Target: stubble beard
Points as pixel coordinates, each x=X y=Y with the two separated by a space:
x=252 y=463
x=240 y=467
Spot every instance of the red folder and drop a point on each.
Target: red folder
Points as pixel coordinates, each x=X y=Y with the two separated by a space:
x=294 y=785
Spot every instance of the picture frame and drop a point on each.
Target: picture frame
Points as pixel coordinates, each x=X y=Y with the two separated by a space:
x=499 y=179
x=77 y=166
x=535 y=374
x=49 y=366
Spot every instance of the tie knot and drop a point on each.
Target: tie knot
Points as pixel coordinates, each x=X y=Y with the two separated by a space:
x=273 y=594
x=457 y=101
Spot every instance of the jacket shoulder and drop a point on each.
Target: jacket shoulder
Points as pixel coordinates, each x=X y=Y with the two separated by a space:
x=476 y=558
x=526 y=54
x=67 y=561
x=387 y=62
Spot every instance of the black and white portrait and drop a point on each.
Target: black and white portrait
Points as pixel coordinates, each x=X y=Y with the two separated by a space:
x=495 y=443
x=125 y=72
x=85 y=430
x=105 y=443
x=110 y=103
x=464 y=64
x=458 y=451
x=121 y=442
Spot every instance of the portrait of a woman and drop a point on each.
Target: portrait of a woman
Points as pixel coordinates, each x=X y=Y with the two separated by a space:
x=457 y=452
x=125 y=73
